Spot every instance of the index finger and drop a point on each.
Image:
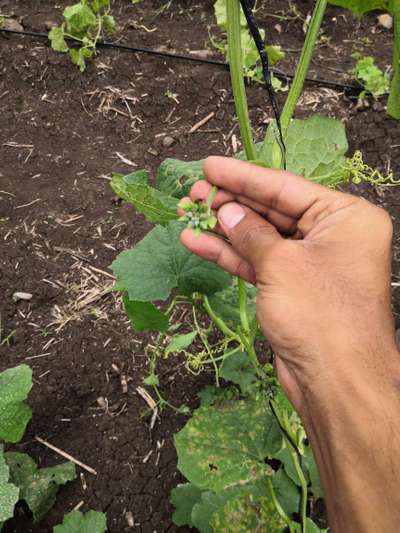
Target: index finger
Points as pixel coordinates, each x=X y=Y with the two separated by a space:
x=283 y=191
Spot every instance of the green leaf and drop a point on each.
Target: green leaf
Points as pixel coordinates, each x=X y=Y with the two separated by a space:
x=311 y=527
x=108 y=23
x=78 y=58
x=316 y=149
x=286 y=459
x=38 y=487
x=243 y=515
x=180 y=342
x=156 y=206
x=9 y=493
x=311 y=465
x=56 y=37
x=211 y=394
x=15 y=384
x=209 y=503
x=359 y=7
x=80 y=19
x=98 y=5
x=151 y=380
x=183 y=498
x=286 y=492
x=238 y=369
x=160 y=263
x=144 y=316
x=176 y=178
x=371 y=77
x=224 y=445
x=76 y=522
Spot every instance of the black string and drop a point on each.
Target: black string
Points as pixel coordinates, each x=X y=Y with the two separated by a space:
x=260 y=44
x=352 y=90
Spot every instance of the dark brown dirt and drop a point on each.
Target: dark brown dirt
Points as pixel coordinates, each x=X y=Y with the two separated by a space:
x=58 y=219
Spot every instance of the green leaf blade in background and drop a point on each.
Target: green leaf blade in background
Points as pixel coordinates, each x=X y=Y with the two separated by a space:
x=144 y=316
x=76 y=522
x=287 y=493
x=239 y=515
x=15 y=384
x=9 y=493
x=156 y=206
x=38 y=486
x=80 y=19
x=179 y=343
x=360 y=7
x=238 y=369
x=160 y=263
x=183 y=498
x=175 y=178
x=316 y=149
x=226 y=445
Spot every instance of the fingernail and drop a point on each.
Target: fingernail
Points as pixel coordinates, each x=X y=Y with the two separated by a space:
x=230 y=215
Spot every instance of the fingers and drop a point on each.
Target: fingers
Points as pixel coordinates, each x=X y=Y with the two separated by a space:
x=218 y=251
x=252 y=237
x=282 y=191
x=201 y=190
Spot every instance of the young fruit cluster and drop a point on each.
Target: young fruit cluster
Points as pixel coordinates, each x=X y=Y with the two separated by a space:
x=198 y=216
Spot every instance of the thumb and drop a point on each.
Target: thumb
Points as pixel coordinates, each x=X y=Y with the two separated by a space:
x=251 y=236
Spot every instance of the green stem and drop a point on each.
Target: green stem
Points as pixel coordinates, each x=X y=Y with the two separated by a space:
x=304 y=64
x=278 y=506
x=226 y=330
x=235 y=58
x=394 y=97
x=244 y=320
x=292 y=445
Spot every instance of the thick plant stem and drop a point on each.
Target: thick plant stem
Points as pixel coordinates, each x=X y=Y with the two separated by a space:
x=394 y=97
x=304 y=64
x=235 y=58
x=226 y=330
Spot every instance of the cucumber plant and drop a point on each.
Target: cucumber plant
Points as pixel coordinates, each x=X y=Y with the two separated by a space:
x=244 y=452
x=20 y=477
x=360 y=7
x=84 y=24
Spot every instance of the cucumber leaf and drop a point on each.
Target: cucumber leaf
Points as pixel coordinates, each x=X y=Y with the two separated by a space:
x=160 y=263
x=180 y=342
x=226 y=444
x=175 y=178
x=239 y=515
x=316 y=149
x=238 y=369
x=359 y=7
x=76 y=522
x=156 y=206
x=286 y=492
x=183 y=498
x=15 y=384
x=38 y=486
x=9 y=493
x=144 y=316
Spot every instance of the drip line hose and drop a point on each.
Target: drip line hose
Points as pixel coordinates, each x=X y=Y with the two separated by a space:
x=352 y=89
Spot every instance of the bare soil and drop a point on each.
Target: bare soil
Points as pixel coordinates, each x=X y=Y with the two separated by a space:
x=62 y=134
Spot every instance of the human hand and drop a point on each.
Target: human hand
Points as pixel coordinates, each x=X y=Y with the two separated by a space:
x=321 y=262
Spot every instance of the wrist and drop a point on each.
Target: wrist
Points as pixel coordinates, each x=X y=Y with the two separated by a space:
x=353 y=428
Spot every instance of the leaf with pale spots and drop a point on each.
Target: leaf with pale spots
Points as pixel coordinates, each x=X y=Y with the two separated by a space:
x=227 y=444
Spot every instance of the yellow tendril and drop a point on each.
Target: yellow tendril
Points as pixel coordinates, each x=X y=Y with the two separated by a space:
x=360 y=171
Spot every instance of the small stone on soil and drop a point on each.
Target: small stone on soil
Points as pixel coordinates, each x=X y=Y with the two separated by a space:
x=168 y=141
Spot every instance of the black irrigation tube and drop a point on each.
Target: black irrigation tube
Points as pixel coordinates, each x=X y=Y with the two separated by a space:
x=350 y=88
